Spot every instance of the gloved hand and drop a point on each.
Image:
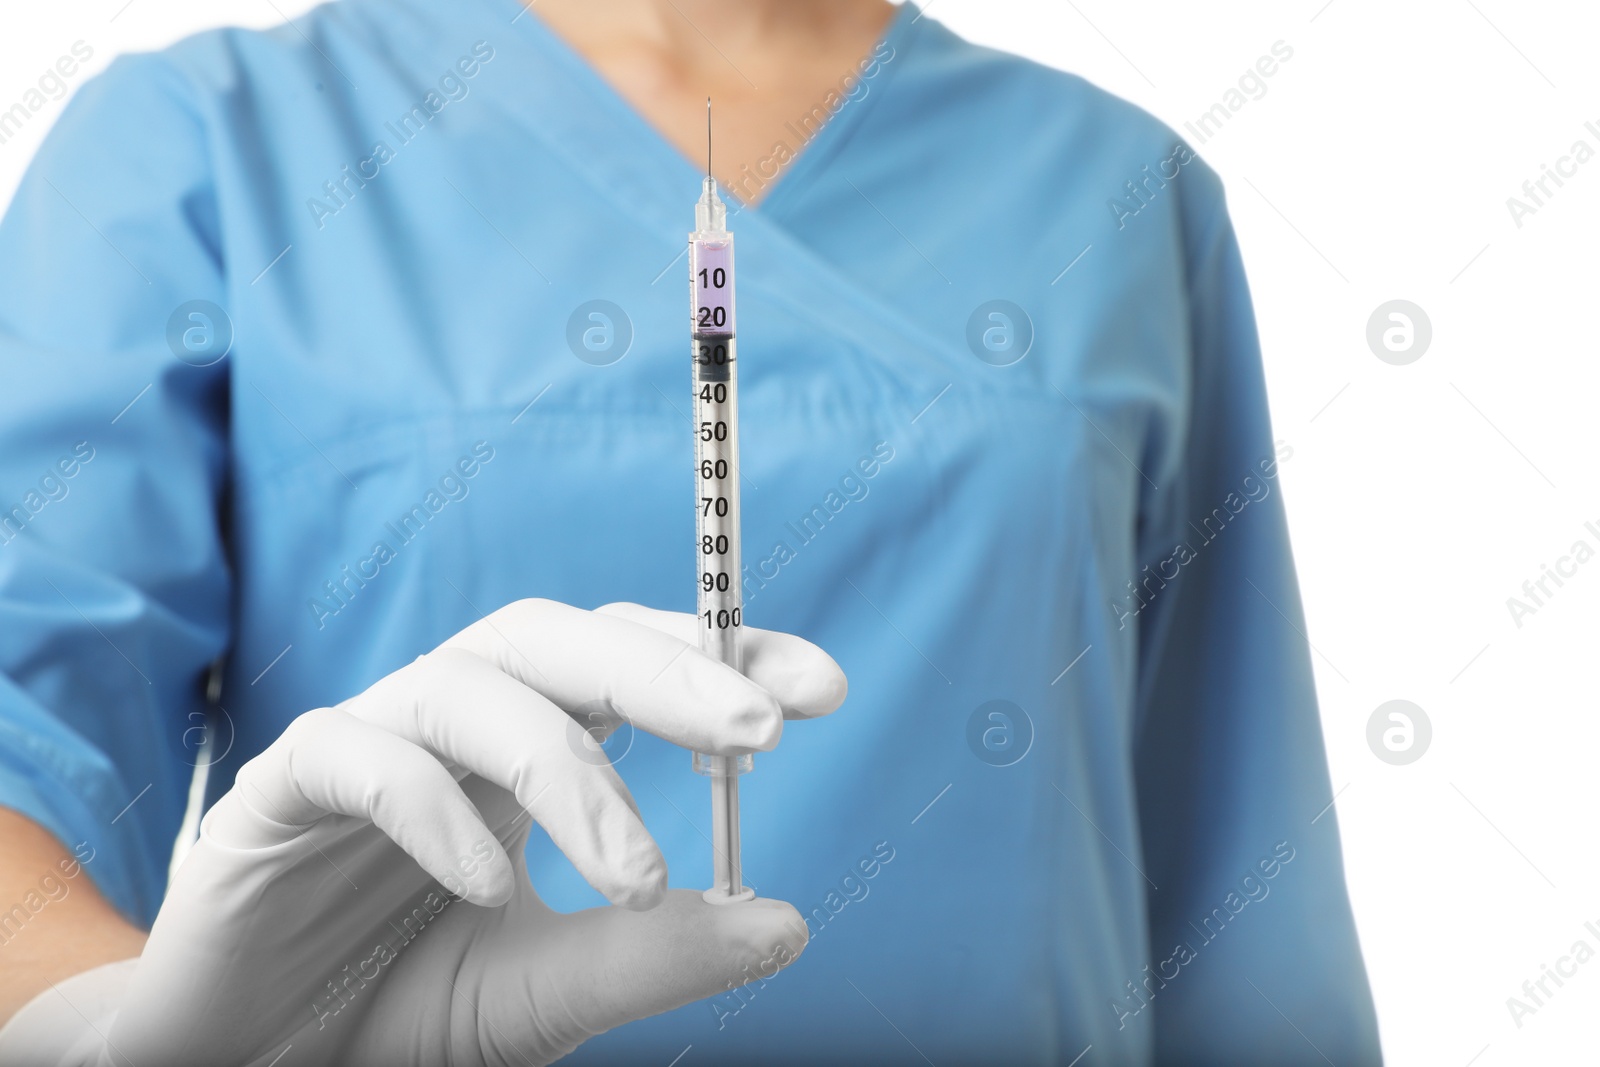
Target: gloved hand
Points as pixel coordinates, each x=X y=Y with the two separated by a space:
x=310 y=914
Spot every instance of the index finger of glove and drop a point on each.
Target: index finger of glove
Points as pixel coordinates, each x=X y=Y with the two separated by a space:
x=658 y=682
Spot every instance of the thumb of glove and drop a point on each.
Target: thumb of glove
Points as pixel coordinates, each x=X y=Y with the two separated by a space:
x=624 y=965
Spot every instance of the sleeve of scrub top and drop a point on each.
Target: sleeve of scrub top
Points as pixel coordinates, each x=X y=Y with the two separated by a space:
x=1253 y=946
x=114 y=584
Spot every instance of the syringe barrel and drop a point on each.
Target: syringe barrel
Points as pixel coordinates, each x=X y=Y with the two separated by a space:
x=716 y=446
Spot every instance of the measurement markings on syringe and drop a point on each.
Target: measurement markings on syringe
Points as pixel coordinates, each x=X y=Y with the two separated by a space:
x=716 y=436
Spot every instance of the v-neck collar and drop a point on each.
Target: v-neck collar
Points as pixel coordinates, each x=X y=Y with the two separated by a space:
x=580 y=119
x=660 y=157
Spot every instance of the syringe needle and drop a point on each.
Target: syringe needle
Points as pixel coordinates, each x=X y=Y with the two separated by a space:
x=708 y=137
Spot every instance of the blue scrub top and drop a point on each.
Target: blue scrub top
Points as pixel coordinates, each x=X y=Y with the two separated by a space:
x=301 y=377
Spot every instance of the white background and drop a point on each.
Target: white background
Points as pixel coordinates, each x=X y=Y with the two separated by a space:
x=1376 y=166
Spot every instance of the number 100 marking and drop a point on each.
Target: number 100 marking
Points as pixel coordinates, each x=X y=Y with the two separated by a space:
x=724 y=619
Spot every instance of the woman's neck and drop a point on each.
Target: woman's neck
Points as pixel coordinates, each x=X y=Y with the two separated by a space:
x=761 y=61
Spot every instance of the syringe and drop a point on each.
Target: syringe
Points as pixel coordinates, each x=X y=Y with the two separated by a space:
x=716 y=462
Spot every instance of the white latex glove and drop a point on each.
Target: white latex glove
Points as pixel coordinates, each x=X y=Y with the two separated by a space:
x=309 y=916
